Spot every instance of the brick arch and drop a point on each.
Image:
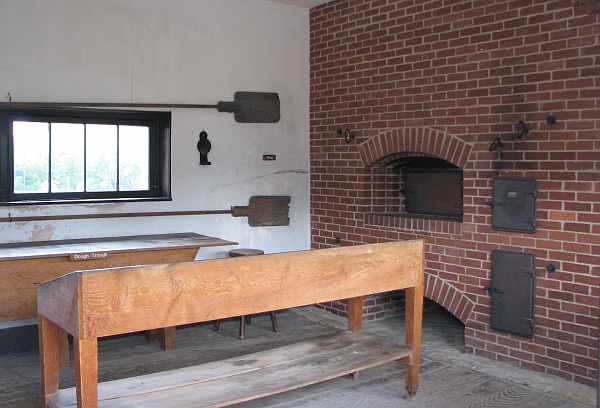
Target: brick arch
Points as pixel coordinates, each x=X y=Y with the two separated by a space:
x=448 y=296
x=415 y=141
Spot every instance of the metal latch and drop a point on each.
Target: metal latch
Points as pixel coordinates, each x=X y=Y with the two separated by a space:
x=492 y=290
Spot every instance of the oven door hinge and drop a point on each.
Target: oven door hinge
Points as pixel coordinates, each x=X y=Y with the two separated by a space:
x=530 y=322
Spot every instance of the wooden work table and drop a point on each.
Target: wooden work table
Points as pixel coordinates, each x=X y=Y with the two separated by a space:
x=93 y=304
x=23 y=266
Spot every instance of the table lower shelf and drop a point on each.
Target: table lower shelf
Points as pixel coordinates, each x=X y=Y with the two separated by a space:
x=248 y=377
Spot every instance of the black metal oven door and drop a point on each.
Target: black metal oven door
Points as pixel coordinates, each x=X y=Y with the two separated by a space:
x=514 y=204
x=512 y=292
x=434 y=192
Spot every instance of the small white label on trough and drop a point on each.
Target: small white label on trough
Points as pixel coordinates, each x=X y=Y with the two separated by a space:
x=87 y=256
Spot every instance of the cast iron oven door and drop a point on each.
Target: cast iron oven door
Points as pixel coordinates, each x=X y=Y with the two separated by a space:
x=514 y=204
x=512 y=292
x=435 y=192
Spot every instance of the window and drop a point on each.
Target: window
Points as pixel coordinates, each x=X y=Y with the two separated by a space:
x=53 y=156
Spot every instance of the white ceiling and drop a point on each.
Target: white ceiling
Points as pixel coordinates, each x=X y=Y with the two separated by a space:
x=303 y=3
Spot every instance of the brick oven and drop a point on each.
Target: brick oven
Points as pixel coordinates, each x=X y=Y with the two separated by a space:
x=448 y=87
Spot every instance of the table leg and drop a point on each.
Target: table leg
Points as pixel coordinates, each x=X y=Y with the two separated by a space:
x=65 y=357
x=355 y=313
x=49 y=335
x=86 y=372
x=414 y=318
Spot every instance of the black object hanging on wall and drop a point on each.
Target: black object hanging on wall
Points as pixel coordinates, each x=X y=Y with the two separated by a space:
x=512 y=293
x=204 y=147
x=346 y=133
x=514 y=203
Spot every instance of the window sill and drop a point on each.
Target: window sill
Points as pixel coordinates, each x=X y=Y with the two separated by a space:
x=84 y=201
x=415 y=222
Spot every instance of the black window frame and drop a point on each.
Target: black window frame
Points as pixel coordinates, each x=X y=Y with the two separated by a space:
x=159 y=123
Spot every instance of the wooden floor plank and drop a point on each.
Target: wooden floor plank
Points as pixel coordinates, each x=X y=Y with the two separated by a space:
x=247 y=377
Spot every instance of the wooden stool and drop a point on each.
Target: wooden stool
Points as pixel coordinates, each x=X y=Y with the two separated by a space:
x=234 y=253
x=248 y=319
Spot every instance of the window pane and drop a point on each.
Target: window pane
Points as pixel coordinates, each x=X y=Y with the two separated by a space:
x=31 y=149
x=134 y=158
x=101 y=157
x=67 y=157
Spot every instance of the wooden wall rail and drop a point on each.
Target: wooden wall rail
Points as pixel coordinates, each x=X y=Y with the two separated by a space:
x=65 y=217
x=97 y=303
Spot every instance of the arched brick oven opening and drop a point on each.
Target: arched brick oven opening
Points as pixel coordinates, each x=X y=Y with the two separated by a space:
x=449 y=297
x=419 y=141
x=397 y=144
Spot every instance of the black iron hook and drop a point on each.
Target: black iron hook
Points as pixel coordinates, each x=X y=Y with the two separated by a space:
x=347 y=133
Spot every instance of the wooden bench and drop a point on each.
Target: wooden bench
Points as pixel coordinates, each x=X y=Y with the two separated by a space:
x=93 y=304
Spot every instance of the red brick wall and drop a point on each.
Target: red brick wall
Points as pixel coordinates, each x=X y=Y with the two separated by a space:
x=436 y=77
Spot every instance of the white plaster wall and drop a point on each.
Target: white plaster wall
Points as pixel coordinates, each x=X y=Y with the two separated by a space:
x=181 y=51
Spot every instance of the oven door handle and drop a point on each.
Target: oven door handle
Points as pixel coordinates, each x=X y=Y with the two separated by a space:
x=492 y=290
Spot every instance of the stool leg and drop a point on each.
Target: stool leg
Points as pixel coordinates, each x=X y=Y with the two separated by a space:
x=274 y=321
x=218 y=326
x=167 y=338
x=242 y=327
